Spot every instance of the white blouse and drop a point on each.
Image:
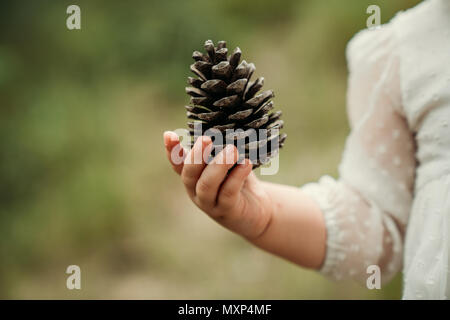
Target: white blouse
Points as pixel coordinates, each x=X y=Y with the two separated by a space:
x=391 y=205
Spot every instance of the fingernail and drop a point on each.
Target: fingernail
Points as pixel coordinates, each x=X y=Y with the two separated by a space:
x=206 y=139
x=245 y=163
x=166 y=138
x=229 y=150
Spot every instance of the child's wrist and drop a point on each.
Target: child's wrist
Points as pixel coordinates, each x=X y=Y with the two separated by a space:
x=266 y=214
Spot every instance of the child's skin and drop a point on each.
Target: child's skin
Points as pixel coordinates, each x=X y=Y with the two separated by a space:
x=277 y=218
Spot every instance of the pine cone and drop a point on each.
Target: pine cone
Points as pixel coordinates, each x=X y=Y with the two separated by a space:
x=224 y=98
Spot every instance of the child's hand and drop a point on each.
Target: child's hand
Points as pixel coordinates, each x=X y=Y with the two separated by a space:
x=238 y=201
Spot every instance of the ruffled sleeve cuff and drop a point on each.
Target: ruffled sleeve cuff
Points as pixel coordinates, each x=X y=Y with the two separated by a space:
x=327 y=195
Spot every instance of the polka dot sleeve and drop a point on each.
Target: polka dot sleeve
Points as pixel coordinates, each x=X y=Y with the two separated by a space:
x=366 y=209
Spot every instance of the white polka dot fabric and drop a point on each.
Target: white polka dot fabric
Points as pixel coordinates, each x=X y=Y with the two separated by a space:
x=391 y=204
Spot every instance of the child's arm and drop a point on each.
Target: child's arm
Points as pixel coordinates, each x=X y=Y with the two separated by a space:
x=296 y=231
x=276 y=218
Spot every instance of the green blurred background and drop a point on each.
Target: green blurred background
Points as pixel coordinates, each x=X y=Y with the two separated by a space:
x=84 y=179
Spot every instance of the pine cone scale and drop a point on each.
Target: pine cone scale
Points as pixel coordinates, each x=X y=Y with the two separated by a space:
x=223 y=98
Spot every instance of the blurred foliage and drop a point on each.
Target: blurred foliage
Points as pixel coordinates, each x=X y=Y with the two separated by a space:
x=83 y=175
